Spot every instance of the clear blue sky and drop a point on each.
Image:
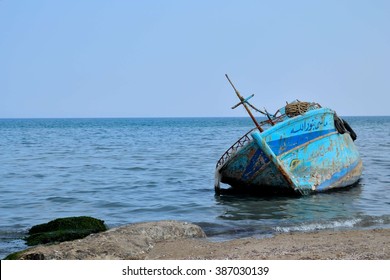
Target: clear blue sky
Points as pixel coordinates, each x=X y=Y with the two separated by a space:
x=166 y=58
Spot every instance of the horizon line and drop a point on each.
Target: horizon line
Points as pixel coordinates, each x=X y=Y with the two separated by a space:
x=161 y=117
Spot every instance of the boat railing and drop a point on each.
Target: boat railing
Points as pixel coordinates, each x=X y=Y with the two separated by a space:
x=233 y=148
x=244 y=140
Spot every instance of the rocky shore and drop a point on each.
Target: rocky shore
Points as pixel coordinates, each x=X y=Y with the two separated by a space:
x=180 y=240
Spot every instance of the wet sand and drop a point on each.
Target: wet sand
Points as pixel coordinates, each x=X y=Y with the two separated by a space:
x=334 y=245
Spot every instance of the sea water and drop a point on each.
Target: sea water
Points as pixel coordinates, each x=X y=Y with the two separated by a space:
x=133 y=170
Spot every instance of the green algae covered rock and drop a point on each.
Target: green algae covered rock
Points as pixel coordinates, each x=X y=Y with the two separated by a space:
x=64 y=229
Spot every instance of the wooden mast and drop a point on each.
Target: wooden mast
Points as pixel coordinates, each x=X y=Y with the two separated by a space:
x=244 y=102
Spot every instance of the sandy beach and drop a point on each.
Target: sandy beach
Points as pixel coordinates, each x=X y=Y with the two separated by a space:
x=333 y=245
x=167 y=240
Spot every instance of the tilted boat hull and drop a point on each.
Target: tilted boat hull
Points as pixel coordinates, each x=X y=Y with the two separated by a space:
x=302 y=154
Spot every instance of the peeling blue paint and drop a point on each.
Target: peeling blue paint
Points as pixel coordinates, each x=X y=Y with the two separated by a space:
x=286 y=144
x=337 y=176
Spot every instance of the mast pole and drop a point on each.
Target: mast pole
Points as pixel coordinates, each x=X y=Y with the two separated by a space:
x=244 y=103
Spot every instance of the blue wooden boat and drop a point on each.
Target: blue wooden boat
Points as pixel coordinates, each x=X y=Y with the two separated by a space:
x=303 y=148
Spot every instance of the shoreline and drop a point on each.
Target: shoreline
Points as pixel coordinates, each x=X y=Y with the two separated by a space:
x=371 y=244
x=174 y=240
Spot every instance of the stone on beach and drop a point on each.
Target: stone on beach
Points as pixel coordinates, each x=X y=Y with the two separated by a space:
x=127 y=242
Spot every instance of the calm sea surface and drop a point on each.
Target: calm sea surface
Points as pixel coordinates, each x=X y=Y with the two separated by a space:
x=132 y=170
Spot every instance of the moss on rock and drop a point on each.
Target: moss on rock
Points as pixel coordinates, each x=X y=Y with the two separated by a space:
x=25 y=256
x=14 y=256
x=64 y=229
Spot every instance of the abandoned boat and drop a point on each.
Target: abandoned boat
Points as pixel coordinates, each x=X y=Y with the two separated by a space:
x=302 y=148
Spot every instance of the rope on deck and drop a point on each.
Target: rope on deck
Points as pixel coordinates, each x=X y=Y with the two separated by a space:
x=297 y=108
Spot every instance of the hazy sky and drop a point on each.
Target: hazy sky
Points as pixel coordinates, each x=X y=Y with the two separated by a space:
x=95 y=58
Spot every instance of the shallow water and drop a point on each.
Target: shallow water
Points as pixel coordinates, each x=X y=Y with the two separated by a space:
x=132 y=170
